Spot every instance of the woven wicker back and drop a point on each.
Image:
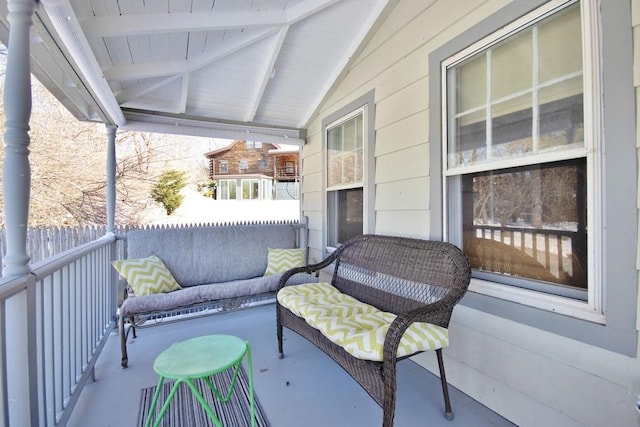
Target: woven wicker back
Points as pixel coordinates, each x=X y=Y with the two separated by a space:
x=397 y=274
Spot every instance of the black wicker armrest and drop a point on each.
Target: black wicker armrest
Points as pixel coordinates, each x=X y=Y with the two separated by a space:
x=437 y=313
x=310 y=268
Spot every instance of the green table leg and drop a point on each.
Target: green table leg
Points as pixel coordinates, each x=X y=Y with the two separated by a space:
x=154 y=402
x=204 y=403
x=172 y=393
x=250 y=374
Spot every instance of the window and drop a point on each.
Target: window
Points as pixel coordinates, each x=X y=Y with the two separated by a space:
x=517 y=168
x=250 y=189
x=529 y=101
x=226 y=189
x=289 y=168
x=349 y=138
x=262 y=164
x=243 y=165
x=345 y=158
x=223 y=167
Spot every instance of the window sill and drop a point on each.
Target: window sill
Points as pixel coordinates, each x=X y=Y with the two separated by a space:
x=552 y=303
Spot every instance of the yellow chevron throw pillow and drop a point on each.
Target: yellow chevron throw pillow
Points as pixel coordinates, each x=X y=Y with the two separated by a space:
x=146 y=276
x=357 y=327
x=279 y=260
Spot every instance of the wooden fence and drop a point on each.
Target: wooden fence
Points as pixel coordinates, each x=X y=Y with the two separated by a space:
x=43 y=243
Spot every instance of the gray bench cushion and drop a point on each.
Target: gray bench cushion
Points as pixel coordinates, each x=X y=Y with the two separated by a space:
x=204 y=293
x=198 y=255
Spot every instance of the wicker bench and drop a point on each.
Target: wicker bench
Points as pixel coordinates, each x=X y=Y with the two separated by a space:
x=418 y=280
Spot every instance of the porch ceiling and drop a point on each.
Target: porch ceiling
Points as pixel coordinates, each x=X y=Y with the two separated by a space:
x=254 y=69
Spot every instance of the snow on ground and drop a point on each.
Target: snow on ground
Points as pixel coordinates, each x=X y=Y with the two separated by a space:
x=197 y=209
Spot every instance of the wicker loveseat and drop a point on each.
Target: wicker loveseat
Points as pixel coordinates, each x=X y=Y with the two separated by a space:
x=216 y=268
x=417 y=280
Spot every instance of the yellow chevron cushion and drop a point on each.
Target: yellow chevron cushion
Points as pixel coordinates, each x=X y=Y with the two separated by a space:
x=279 y=260
x=146 y=276
x=313 y=300
x=357 y=327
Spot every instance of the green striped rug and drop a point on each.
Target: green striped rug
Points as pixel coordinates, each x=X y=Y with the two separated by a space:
x=185 y=410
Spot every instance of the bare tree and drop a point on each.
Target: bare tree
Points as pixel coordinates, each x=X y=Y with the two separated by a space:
x=68 y=164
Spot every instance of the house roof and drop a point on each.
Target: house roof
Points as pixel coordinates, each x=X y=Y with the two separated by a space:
x=275 y=150
x=234 y=69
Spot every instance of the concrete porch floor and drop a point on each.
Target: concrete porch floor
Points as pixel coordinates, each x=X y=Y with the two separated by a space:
x=306 y=388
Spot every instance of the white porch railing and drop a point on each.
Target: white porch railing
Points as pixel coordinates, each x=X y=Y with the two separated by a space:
x=70 y=302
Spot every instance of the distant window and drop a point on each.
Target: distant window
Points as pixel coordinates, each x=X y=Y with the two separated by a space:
x=223 y=167
x=244 y=165
x=250 y=189
x=253 y=144
x=289 y=168
x=262 y=164
x=226 y=189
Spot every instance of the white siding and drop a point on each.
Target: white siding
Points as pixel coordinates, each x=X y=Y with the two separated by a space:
x=530 y=376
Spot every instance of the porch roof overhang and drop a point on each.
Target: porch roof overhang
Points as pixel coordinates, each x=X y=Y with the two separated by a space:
x=214 y=68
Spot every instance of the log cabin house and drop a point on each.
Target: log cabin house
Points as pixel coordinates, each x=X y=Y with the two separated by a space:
x=250 y=170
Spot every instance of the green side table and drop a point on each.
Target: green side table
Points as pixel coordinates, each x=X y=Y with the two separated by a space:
x=202 y=357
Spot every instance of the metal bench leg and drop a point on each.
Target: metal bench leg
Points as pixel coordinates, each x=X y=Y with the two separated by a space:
x=123 y=342
x=448 y=412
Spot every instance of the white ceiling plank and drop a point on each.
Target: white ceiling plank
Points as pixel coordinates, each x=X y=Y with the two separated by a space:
x=165 y=68
x=142 y=88
x=267 y=73
x=119 y=25
x=153 y=106
x=306 y=9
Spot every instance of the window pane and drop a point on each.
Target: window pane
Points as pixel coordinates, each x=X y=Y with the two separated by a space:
x=345 y=215
x=250 y=189
x=471 y=74
x=344 y=152
x=528 y=222
x=561 y=115
x=227 y=189
x=512 y=66
x=511 y=128
x=560 y=45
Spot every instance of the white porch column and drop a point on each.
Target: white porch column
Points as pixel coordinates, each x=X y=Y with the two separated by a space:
x=111 y=178
x=16 y=172
x=16 y=182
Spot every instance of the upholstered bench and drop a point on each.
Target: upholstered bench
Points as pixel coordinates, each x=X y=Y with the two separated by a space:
x=389 y=298
x=203 y=269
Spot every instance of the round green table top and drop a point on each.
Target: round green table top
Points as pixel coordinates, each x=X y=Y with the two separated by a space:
x=200 y=357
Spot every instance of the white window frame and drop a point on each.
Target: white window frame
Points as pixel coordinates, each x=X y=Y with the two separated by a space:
x=364 y=103
x=592 y=309
x=223 y=167
x=332 y=191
